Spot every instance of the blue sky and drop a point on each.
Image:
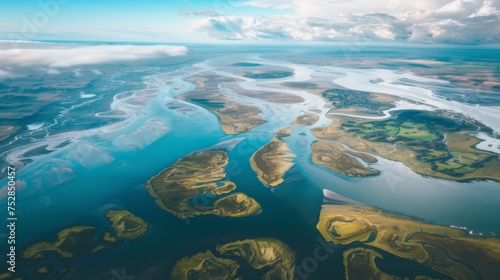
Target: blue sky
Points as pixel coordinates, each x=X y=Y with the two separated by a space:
x=424 y=21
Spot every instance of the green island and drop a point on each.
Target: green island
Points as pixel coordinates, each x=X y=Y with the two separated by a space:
x=70 y=242
x=307 y=119
x=126 y=225
x=82 y=239
x=234 y=117
x=263 y=253
x=273 y=160
x=430 y=143
x=199 y=174
x=360 y=263
x=260 y=253
x=444 y=249
x=357 y=102
x=335 y=157
x=205 y=266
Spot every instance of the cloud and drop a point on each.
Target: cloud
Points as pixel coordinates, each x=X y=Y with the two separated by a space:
x=328 y=8
x=425 y=21
x=208 y=13
x=296 y=28
x=85 y=55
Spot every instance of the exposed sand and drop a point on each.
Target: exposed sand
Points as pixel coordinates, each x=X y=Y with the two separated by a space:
x=272 y=161
x=307 y=119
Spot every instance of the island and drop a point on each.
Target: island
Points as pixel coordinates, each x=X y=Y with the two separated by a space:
x=234 y=117
x=273 y=160
x=263 y=253
x=196 y=174
x=360 y=263
x=335 y=157
x=447 y=250
x=70 y=242
x=126 y=225
x=260 y=253
x=83 y=239
x=430 y=143
x=307 y=119
x=205 y=266
x=346 y=101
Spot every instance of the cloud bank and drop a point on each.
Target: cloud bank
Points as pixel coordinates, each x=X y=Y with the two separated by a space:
x=85 y=55
x=426 y=21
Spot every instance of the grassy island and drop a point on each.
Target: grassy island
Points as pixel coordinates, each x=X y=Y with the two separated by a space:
x=360 y=263
x=430 y=143
x=205 y=266
x=335 y=157
x=268 y=254
x=234 y=117
x=444 y=249
x=126 y=225
x=263 y=253
x=82 y=239
x=306 y=120
x=272 y=161
x=70 y=242
x=346 y=101
x=199 y=174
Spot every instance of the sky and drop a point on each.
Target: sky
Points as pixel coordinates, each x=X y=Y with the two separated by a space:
x=474 y=22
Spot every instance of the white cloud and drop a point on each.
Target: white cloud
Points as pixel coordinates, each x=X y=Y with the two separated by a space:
x=296 y=28
x=488 y=9
x=425 y=21
x=86 y=55
x=328 y=8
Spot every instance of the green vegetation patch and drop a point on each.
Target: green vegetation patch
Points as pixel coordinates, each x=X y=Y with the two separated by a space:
x=426 y=134
x=345 y=98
